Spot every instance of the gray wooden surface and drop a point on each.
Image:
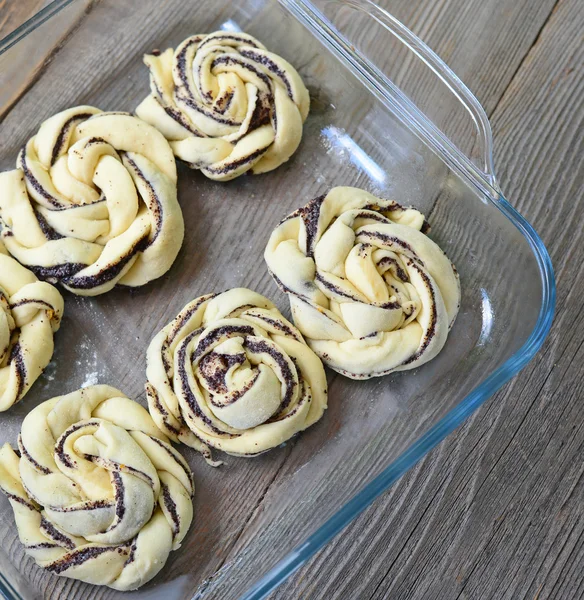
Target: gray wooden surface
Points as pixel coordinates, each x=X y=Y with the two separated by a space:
x=497 y=510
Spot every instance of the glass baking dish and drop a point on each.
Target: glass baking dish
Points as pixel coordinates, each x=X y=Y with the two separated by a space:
x=386 y=115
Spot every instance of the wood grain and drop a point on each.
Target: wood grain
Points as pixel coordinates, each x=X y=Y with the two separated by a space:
x=494 y=511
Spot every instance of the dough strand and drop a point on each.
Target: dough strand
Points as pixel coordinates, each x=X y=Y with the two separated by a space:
x=231 y=373
x=227 y=105
x=93 y=202
x=369 y=290
x=97 y=491
x=30 y=314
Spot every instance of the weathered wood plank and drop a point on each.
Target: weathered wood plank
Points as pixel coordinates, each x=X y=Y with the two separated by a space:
x=495 y=511
x=483 y=42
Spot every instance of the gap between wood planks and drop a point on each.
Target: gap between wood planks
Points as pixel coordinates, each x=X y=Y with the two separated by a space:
x=72 y=30
x=489 y=114
x=522 y=63
x=536 y=41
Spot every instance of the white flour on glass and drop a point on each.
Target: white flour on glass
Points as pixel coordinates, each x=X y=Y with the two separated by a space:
x=88 y=364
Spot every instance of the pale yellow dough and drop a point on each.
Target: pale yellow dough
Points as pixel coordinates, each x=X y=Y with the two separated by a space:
x=226 y=104
x=98 y=493
x=92 y=202
x=230 y=372
x=368 y=289
x=30 y=313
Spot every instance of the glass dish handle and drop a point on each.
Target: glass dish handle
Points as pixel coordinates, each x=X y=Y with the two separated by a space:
x=319 y=16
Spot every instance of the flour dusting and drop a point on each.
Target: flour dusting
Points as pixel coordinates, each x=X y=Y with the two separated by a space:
x=89 y=364
x=91 y=379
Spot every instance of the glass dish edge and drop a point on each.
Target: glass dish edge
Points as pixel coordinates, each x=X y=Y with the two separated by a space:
x=488 y=184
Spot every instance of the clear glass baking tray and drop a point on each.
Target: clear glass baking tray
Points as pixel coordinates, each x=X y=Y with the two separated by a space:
x=387 y=115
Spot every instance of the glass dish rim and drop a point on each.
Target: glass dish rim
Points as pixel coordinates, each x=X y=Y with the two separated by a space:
x=489 y=187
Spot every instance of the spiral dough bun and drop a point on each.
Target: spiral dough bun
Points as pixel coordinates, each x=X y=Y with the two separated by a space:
x=232 y=373
x=227 y=105
x=30 y=313
x=368 y=289
x=97 y=492
x=92 y=202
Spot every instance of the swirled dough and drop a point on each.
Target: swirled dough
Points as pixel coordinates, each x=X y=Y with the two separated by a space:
x=368 y=289
x=232 y=373
x=227 y=105
x=92 y=202
x=30 y=313
x=97 y=491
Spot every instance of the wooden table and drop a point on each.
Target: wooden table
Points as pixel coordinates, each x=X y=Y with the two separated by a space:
x=497 y=510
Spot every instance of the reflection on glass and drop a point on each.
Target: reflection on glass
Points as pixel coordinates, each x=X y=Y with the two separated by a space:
x=230 y=25
x=488 y=318
x=338 y=139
